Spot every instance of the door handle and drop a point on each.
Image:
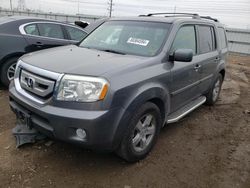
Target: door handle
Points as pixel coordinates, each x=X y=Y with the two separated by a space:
x=197 y=67
x=217 y=59
x=39 y=44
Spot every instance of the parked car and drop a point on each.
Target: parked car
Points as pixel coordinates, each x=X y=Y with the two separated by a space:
x=122 y=83
x=21 y=35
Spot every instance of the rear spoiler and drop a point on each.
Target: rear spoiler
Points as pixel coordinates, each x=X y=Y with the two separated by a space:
x=81 y=24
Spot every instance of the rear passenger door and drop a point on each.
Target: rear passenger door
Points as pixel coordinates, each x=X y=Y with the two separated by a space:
x=52 y=35
x=44 y=35
x=208 y=56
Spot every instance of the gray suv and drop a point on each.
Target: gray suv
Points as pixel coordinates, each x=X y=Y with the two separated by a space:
x=124 y=82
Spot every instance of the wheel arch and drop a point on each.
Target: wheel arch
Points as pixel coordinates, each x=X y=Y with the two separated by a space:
x=10 y=56
x=157 y=95
x=222 y=72
x=160 y=104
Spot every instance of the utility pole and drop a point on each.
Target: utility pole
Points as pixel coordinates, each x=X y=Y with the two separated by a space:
x=11 y=5
x=21 y=5
x=110 y=8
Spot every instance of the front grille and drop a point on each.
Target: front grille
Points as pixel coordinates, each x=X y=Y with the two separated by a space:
x=37 y=85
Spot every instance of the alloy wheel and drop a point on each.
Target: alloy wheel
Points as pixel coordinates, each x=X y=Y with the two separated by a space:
x=216 y=90
x=11 y=71
x=144 y=133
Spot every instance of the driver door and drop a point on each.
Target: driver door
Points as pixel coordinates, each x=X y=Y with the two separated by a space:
x=185 y=75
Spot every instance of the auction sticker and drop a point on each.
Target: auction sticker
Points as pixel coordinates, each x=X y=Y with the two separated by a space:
x=141 y=42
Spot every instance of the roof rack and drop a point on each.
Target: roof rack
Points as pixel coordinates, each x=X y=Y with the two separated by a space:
x=179 y=14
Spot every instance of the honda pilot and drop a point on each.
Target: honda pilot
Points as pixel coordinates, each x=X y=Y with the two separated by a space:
x=117 y=88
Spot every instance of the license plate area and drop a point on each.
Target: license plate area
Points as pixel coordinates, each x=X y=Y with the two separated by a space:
x=23 y=118
x=24 y=131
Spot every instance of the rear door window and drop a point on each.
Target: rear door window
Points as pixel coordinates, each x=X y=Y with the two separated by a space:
x=206 y=39
x=185 y=39
x=31 y=29
x=75 y=34
x=51 y=30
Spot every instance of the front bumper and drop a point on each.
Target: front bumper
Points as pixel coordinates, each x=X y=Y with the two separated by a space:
x=61 y=123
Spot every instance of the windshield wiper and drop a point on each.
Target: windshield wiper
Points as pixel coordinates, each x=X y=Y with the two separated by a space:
x=113 y=51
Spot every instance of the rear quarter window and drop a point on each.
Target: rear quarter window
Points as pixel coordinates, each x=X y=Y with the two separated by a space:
x=75 y=34
x=222 y=37
x=31 y=29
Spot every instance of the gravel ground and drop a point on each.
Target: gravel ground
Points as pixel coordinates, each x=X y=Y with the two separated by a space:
x=208 y=148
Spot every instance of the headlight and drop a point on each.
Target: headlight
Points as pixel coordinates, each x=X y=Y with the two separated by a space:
x=82 y=88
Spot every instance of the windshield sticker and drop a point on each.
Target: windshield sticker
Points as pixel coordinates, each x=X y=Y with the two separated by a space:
x=141 y=42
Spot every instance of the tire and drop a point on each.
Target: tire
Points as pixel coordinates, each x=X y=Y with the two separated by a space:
x=143 y=129
x=214 y=92
x=7 y=71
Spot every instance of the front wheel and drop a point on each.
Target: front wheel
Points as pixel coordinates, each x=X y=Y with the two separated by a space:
x=8 y=71
x=214 y=92
x=141 y=134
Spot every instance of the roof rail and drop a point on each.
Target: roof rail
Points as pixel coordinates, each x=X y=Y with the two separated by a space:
x=210 y=18
x=179 y=14
x=175 y=13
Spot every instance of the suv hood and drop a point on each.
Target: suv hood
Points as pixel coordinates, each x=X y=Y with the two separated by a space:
x=76 y=60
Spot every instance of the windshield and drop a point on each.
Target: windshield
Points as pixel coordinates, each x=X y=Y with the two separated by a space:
x=128 y=37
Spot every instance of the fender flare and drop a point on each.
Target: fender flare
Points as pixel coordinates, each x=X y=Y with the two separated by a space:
x=219 y=68
x=11 y=55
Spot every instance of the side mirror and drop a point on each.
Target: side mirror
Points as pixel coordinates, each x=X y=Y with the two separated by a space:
x=184 y=55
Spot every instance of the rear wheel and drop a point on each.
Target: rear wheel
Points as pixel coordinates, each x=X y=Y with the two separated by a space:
x=141 y=134
x=8 y=71
x=214 y=92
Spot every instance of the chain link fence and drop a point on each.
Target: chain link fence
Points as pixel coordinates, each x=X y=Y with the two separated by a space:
x=59 y=17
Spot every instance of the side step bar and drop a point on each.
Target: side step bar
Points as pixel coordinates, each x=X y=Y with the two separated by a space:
x=176 y=116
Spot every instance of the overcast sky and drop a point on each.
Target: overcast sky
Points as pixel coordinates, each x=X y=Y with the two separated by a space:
x=233 y=13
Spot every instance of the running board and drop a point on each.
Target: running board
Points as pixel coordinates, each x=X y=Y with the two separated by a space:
x=176 y=116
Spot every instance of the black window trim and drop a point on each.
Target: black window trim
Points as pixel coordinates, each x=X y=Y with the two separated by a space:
x=215 y=39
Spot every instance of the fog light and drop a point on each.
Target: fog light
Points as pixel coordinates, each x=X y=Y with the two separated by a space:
x=81 y=133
